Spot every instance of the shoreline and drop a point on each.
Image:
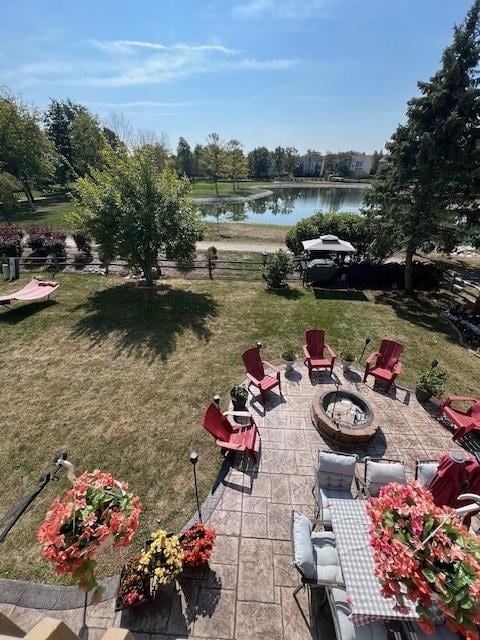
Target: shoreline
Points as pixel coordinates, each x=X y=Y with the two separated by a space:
x=232 y=199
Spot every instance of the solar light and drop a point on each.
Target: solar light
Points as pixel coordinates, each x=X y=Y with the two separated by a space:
x=194 y=460
x=367 y=342
x=434 y=363
x=259 y=345
x=216 y=399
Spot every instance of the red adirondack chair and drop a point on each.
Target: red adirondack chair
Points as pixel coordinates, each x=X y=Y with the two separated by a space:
x=256 y=373
x=314 y=351
x=464 y=421
x=232 y=436
x=385 y=364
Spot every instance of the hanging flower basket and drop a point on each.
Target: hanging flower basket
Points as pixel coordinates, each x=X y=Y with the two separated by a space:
x=97 y=511
x=197 y=543
x=440 y=575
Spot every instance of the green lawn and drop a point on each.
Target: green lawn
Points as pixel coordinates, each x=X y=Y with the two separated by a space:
x=245 y=232
x=119 y=377
x=50 y=210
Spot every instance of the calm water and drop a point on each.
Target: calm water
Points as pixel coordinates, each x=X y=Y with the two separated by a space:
x=286 y=206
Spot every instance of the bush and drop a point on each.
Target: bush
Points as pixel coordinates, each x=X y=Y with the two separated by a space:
x=45 y=241
x=277 y=268
x=83 y=241
x=10 y=241
x=432 y=380
x=211 y=253
x=366 y=275
x=80 y=258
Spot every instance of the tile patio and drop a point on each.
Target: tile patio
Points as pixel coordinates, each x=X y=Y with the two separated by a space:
x=247 y=593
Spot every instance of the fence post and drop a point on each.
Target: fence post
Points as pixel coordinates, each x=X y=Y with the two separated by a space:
x=453 y=281
x=210 y=271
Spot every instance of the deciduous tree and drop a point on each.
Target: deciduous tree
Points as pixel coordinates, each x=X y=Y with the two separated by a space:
x=236 y=165
x=213 y=158
x=87 y=141
x=184 y=158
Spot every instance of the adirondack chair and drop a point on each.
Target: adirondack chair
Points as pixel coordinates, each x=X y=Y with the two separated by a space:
x=232 y=436
x=256 y=375
x=314 y=351
x=463 y=421
x=384 y=364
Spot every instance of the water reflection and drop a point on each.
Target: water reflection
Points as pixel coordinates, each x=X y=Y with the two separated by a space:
x=286 y=206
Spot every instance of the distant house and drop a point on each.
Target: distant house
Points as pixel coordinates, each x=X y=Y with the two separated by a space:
x=360 y=165
x=311 y=165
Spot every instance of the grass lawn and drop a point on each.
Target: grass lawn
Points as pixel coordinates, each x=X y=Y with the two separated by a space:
x=120 y=377
x=243 y=232
x=51 y=210
x=207 y=189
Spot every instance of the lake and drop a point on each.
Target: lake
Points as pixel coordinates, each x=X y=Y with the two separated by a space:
x=286 y=206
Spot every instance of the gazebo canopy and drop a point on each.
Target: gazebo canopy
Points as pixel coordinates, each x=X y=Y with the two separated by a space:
x=328 y=243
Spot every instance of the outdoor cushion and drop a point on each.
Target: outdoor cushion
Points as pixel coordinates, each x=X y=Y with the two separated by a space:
x=302 y=545
x=324 y=495
x=426 y=471
x=335 y=471
x=372 y=631
x=381 y=473
x=326 y=557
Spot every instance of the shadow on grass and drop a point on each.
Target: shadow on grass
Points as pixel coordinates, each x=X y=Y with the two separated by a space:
x=144 y=322
x=339 y=294
x=287 y=293
x=14 y=315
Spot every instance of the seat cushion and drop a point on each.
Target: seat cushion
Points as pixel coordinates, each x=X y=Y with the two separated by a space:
x=379 y=372
x=381 y=473
x=425 y=472
x=303 y=555
x=324 y=495
x=373 y=631
x=326 y=557
x=335 y=471
x=268 y=383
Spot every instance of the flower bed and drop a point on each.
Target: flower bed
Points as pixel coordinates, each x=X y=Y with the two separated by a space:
x=440 y=574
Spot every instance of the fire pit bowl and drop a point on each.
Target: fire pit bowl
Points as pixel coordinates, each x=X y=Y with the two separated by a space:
x=343 y=416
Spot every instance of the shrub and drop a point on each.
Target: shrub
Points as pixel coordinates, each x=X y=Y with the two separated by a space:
x=211 y=253
x=83 y=241
x=289 y=354
x=432 y=380
x=367 y=275
x=348 y=353
x=46 y=241
x=10 y=241
x=277 y=268
x=239 y=393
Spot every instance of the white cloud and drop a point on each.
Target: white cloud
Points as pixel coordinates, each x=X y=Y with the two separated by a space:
x=139 y=103
x=124 y=63
x=279 y=9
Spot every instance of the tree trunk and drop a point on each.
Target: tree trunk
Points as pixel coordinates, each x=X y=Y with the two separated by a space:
x=216 y=187
x=28 y=192
x=409 y=270
x=233 y=184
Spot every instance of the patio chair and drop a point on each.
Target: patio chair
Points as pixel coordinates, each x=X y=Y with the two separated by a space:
x=314 y=352
x=384 y=364
x=333 y=480
x=256 y=375
x=232 y=436
x=425 y=470
x=314 y=555
x=463 y=421
x=344 y=629
x=380 y=472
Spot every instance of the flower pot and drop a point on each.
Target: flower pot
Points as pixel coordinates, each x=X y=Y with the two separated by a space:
x=346 y=364
x=238 y=404
x=288 y=365
x=422 y=394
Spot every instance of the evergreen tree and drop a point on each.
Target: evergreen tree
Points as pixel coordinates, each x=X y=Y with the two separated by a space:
x=431 y=181
x=58 y=120
x=184 y=158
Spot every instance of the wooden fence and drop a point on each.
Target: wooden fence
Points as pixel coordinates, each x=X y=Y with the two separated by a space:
x=468 y=293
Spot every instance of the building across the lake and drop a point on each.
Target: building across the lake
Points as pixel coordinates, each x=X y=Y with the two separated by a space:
x=361 y=165
x=310 y=165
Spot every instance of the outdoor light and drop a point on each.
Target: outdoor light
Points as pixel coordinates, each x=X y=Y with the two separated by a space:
x=264 y=257
x=194 y=460
x=459 y=511
x=367 y=342
x=259 y=345
x=434 y=363
x=216 y=399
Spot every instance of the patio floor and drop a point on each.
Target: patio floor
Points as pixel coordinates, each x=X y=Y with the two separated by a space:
x=247 y=593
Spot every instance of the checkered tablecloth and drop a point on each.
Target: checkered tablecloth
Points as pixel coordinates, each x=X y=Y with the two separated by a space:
x=350 y=526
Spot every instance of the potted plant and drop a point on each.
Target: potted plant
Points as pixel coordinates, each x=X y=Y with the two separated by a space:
x=277 y=268
x=197 y=544
x=239 y=396
x=430 y=383
x=348 y=356
x=289 y=356
x=162 y=559
x=134 y=587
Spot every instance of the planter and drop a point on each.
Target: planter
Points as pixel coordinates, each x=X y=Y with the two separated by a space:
x=288 y=365
x=238 y=405
x=422 y=394
x=143 y=586
x=346 y=364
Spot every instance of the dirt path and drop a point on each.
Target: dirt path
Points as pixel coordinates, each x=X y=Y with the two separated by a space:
x=227 y=245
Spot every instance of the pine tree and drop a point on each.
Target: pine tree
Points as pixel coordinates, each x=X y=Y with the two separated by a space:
x=430 y=185
x=184 y=158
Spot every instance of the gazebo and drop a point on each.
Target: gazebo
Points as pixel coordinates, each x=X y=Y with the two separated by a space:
x=319 y=265
x=323 y=245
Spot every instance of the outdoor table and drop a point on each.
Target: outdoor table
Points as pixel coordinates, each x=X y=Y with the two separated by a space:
x=350 y=525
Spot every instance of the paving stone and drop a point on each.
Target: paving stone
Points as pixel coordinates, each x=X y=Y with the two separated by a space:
x=12 y=590
x=226 y=523
x=255 y=574
x=261 y=486
x=253 y=504
x=295 y=440
x=254 y=525
x=222 y=576
x=281 y=490
x=225 y=550
x=256 y=621
x=231 y=500
x=282 y=548
x=151 y=617
x=285 y=574
x=301 y=489
x=278 y=521
x=182 y=610
x=294 y=625
x=215 y=614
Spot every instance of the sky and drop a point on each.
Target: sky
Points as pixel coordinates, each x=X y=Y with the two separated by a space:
x=321 y=74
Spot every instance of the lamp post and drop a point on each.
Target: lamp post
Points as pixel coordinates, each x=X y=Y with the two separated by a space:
x=259 y=345
x=216 y=399
x=264 y=257
x=367 y=342
x=194 y=460
x=434 y=363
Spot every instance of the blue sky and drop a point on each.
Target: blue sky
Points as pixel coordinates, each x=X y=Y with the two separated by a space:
x=323 y=74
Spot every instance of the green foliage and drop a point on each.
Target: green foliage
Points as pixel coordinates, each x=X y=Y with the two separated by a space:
x=277 y=268
x=259 y=163
x=351 y=227
x=88 y=143
x=239 y=393
x=25 y=151
x=213 y=158
x=236 y=166
x=430 y=182
x=184 y=158
x=58 y=119
x=348 y=353
x=211 y=253
x=289 y=354
x=136 y=211
x=432 y=380
x=9 y=188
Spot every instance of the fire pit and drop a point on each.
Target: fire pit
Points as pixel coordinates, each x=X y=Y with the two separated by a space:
x=343 y=416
